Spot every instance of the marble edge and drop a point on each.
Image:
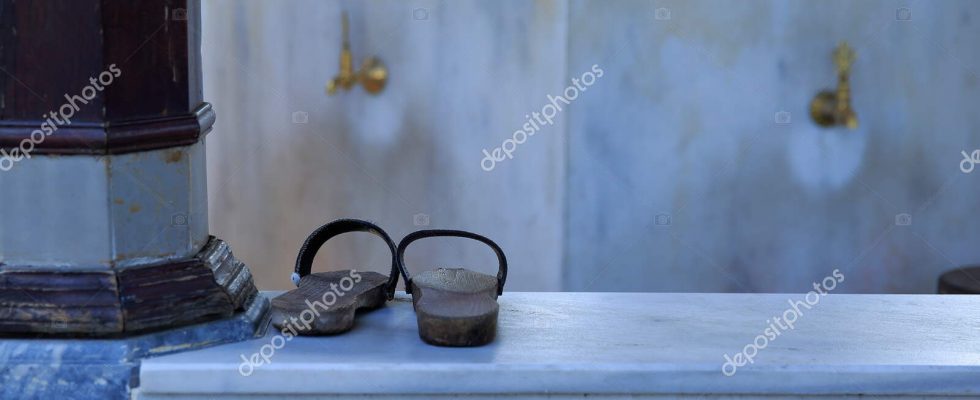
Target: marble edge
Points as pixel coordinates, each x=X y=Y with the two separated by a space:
x=159 y=376
x=427 y=378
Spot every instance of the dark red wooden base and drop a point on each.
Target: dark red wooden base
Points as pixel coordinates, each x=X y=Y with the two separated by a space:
x=60 y=301
x=960 y=281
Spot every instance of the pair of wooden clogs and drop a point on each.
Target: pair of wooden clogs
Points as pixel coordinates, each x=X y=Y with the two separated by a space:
x=454 y=306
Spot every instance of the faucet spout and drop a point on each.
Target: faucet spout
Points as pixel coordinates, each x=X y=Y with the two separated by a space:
x=372 y=75
x=833 y=107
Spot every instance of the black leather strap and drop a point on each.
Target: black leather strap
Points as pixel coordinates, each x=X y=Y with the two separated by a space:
x=501 y=258
x=304 y=261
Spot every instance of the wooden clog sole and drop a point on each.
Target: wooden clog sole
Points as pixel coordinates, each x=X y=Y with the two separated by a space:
x=325 y=303
x=455 y=307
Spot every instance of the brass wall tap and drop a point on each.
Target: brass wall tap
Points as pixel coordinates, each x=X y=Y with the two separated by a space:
x=372 y=75
x=833 y=107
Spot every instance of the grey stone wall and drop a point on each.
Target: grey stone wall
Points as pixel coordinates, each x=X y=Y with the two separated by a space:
x=680 y=129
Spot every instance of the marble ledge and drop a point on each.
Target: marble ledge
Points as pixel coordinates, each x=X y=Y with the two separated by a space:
x=603 y=344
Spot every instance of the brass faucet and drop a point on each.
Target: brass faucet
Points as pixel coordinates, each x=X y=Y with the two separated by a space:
x=372 y=75
x=830 y=108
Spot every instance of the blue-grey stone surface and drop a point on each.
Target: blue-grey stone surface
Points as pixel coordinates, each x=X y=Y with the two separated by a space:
x=44 y=368
x=102 y=212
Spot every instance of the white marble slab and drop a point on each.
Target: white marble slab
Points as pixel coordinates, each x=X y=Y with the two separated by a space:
x=615 y=343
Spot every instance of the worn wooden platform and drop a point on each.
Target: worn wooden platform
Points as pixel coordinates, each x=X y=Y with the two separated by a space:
x=210 y=285
x=646 y=345
x=326 y=303
x=455 y=307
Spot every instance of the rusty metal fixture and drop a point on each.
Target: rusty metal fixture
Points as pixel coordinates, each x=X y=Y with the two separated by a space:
x=833 y=107
x=373 y=75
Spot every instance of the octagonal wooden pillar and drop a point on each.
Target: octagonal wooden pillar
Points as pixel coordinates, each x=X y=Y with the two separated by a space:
x=103 y=186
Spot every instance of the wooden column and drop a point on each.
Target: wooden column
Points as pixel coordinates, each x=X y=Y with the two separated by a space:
x=102 y=171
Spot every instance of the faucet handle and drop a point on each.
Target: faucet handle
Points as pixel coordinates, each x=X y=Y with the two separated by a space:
x=844 y=57
x=373 y=75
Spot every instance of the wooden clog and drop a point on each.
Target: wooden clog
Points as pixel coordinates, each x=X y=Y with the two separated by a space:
x=325 y=303
x=454 y=306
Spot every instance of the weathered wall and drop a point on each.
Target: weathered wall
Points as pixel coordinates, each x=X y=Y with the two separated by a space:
x=685 y=125
x=681 y=124
x=462 y=77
